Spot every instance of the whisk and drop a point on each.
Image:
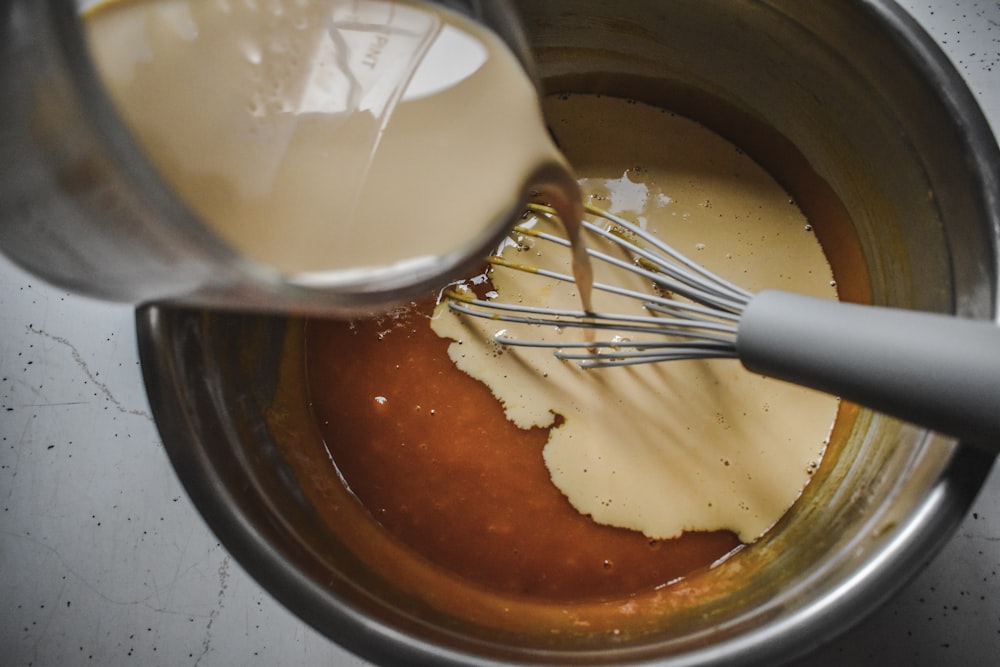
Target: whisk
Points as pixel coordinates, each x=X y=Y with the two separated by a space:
x=935 y=370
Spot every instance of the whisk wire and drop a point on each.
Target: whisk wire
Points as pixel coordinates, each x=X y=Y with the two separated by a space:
x=670 y=262
x=701 y=325
x=666 y=277
x=659 y=303
x=582 y=320
x=636 y=357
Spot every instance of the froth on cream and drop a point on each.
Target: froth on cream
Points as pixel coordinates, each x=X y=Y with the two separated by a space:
x=682 y=446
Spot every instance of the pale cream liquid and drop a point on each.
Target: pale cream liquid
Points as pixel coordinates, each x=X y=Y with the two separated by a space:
x=246 y=108
x=691 y=445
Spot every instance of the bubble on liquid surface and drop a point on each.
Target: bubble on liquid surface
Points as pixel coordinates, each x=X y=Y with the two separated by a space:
x=251 y=51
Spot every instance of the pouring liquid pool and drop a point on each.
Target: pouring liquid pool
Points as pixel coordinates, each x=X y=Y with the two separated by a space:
x=529 y=476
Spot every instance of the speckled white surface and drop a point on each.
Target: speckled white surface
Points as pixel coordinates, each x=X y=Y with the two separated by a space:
x=104 y=561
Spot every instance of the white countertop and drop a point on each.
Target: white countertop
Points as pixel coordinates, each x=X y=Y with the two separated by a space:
x=104 y=561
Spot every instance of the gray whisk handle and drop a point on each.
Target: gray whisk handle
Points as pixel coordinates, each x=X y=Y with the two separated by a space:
x=938 y=371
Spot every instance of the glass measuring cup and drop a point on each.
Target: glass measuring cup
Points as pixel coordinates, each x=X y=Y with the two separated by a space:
x=83 y=206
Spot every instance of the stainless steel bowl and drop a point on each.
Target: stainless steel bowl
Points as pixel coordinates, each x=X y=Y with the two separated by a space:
x=862 y=101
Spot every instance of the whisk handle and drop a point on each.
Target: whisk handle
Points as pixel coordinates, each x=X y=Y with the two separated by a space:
x=938 y=371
